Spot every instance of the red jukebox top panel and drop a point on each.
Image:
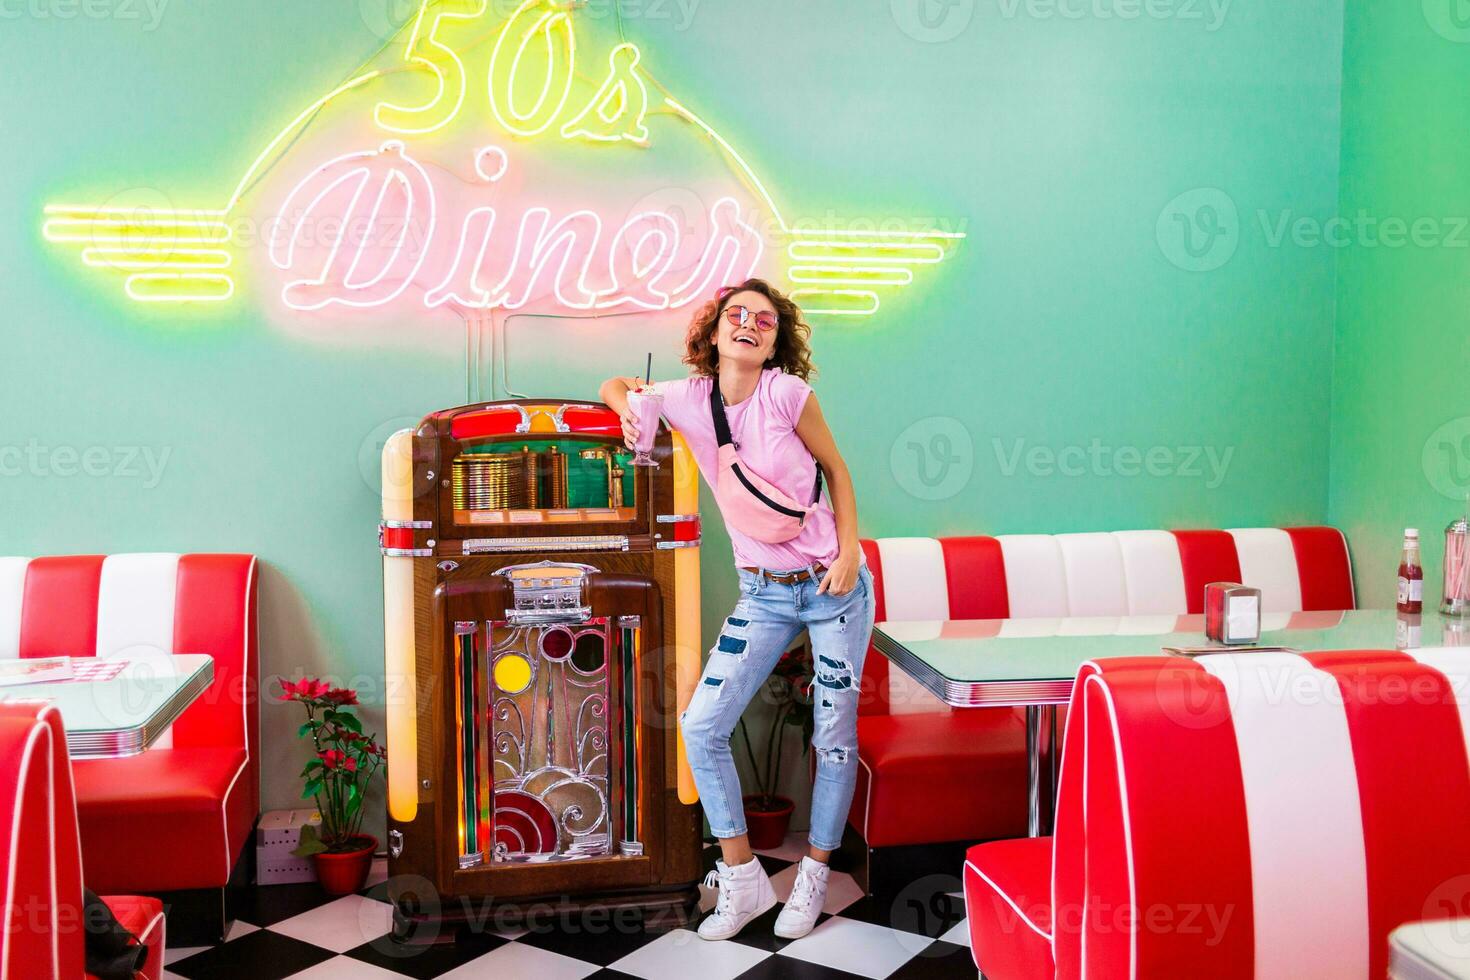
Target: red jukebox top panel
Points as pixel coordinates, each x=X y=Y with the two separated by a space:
x=504 y=420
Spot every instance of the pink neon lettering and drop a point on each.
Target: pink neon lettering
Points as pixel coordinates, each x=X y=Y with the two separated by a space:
x=382 y=206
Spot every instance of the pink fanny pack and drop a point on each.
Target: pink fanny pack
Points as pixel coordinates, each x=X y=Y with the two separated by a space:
x=750 y=504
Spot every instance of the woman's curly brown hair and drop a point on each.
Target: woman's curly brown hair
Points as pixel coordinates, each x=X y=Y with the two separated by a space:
x=792 y=354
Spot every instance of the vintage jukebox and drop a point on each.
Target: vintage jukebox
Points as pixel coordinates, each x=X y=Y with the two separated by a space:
x=541 y=601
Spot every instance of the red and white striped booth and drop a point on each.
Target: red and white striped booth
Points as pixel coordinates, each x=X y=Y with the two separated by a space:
x=177 y=816
x=912 y=747
x=41 y=868
x=1245 y=814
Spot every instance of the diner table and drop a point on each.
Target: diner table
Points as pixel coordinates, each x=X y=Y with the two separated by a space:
x=115 y=707
x=1438 y=950
x=1031 y=662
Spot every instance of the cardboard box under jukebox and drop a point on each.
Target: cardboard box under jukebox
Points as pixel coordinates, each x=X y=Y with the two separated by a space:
x=542 y=635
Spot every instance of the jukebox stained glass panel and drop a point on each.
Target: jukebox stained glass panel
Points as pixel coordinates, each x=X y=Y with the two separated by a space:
x=554 y=694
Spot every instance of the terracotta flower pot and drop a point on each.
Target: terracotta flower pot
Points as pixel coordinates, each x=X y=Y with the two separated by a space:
x=345 y=872
x=767 y=828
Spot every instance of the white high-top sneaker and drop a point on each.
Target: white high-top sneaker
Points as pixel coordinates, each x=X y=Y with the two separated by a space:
x=745 y=893
x=808 y=895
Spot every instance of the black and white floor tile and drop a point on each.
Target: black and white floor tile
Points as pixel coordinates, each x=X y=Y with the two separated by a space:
x=296 y=931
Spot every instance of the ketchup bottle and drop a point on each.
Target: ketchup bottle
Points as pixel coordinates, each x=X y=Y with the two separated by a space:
x=1411 y=576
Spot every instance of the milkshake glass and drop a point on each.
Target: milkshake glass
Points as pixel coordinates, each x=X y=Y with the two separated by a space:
x=647 y=405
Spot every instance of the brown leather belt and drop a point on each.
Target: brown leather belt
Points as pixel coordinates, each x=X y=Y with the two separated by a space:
x=787 y=578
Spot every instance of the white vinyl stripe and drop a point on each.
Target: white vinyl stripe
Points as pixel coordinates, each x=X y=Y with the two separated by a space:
x=1036 y=581
x=135 y=603
x=1089 y=626
x=1454 y=664
x=1093 y=565
x=1033 y=626
x=38 y=730
x=245 y=674
x=914 y=583
x=1272 y=622
x=12 y=597
x=1009 y=901
x=1268 y=563
x=1153 y=572
x=1303 y=815
x=1097 y=680
x=914 y=630
x=1147 y=625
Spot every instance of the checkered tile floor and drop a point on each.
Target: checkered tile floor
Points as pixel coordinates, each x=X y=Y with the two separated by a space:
x=296 y=931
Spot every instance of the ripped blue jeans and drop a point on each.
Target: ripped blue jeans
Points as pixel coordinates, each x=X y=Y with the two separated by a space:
x=765 y=621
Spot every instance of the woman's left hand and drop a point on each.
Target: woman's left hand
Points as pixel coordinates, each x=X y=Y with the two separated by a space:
x=841 y=577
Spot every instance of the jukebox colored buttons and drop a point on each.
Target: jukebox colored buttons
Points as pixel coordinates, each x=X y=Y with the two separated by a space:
x=590 y=653
x=556 y=644
x=512 y=673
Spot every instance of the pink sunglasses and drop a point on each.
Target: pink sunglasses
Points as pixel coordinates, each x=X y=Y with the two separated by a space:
x=740 y=316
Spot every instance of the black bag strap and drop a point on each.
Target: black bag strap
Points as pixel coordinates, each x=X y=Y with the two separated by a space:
x=722 y=431
x=717 y=413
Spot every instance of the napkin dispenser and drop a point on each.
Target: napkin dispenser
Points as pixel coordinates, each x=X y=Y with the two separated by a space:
x=1232 y=613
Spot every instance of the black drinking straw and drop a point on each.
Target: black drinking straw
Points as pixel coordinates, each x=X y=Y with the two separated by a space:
x=648 y=372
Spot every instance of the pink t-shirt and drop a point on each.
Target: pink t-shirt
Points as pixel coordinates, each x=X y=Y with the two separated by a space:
x=764 y=426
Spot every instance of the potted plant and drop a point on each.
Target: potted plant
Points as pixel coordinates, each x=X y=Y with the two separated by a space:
x=337 y=777
x=789 y=692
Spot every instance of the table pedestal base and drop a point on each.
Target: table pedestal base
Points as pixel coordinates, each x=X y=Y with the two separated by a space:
x=1041 y=760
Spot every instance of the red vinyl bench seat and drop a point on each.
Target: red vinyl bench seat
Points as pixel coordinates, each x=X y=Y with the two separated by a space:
x=1209 y=826
x=967 y=779
x=41 y=871
x=187 y=806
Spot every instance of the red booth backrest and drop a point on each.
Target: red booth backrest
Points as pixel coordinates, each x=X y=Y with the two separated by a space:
x=1260 y=814
x=40 y=860
x=139 y=605
x=1151 y=577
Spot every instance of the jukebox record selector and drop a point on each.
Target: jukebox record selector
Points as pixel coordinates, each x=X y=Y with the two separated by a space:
x=541 y=603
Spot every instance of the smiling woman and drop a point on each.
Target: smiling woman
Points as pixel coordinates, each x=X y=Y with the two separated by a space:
x=761 y=442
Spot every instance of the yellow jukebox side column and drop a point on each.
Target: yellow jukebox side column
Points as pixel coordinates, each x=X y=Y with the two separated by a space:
x=686 y=609
x=398 y=630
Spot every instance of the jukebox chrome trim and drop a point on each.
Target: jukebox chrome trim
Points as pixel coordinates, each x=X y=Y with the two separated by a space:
x=582 y=542
x=547 y=599
x=557 y=419
x=399 y=552
x=693 y=542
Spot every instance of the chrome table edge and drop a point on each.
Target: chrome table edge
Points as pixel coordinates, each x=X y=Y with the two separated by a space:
x=118 y=743
x=972 y=694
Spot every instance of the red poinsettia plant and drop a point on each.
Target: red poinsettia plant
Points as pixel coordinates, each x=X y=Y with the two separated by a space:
x=344 y=763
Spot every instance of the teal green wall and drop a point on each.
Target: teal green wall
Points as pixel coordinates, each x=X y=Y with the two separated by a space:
x=1401 y=405
x=1071 y=322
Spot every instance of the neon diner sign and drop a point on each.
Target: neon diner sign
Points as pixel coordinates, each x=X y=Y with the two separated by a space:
x=425 y=211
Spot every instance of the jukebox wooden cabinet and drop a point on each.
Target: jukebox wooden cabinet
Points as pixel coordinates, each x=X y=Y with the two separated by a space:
x=541 y=637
